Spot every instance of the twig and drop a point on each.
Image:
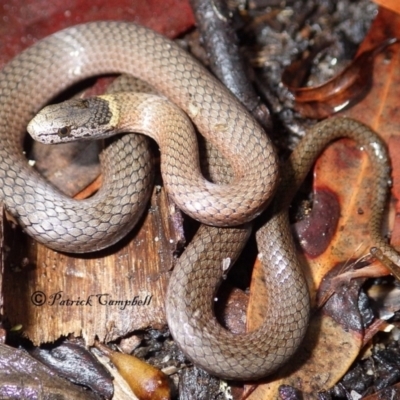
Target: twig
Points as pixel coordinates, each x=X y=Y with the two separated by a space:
x=214 y=22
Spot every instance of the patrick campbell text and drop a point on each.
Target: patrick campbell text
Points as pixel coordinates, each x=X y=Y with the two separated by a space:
x=103 y=299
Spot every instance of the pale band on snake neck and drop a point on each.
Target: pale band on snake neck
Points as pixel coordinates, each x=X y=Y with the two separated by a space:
x=64 y=58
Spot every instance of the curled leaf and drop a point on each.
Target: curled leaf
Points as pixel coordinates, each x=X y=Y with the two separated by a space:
x=146 y=381
x=339 y=92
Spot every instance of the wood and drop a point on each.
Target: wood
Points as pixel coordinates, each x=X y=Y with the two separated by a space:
x=136 y=270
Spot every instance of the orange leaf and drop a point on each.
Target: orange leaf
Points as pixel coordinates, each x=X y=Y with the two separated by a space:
x=393 y=5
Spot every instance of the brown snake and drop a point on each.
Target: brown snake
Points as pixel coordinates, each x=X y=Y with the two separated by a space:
x=53 y=64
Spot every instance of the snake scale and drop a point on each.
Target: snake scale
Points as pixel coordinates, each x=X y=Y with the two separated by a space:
x=53 y=64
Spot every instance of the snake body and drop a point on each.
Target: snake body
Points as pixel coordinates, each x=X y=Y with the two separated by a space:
x=189 y=304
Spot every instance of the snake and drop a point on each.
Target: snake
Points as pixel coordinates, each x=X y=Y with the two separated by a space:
x=44 y=70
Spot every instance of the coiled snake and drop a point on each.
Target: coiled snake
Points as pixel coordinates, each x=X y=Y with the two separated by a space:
x=53 y=64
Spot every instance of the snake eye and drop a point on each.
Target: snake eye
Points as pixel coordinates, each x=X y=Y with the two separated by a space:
x=64 y=131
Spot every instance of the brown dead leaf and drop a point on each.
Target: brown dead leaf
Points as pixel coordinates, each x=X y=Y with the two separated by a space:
x=394 y=150
x=146 y=381
x=380 y=107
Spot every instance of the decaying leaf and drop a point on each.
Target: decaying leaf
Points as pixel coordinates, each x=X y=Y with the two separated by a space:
x=146 y=381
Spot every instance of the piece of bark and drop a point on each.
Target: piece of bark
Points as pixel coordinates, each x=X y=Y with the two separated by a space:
x=61 y=294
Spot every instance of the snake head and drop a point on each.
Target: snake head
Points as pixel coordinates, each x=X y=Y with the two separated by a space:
x=71 y=120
